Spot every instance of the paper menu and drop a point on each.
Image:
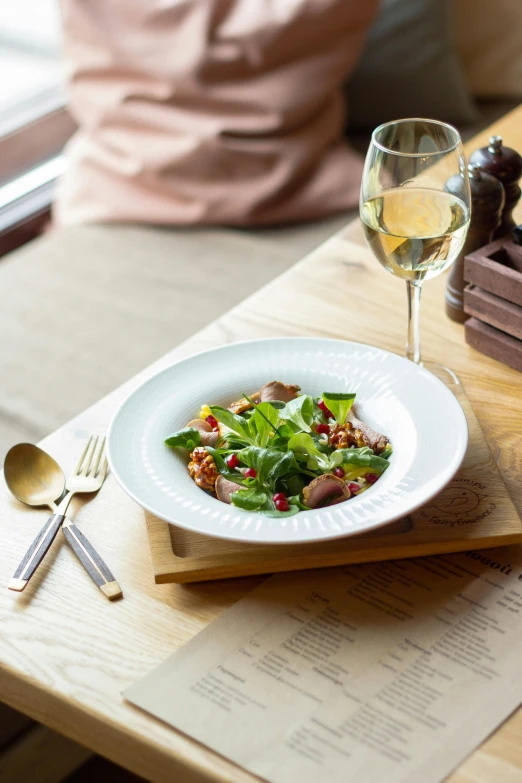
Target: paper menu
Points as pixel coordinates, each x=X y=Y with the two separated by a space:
x=392 y=671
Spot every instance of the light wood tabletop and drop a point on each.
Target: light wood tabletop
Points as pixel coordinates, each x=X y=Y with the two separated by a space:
x=66 y=654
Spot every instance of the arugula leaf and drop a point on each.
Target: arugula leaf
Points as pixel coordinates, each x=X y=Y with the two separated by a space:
x=338 y=404
x=299 y=411
x=388 y=451
x=187 y=438
x=248 y=499
x=232 y=421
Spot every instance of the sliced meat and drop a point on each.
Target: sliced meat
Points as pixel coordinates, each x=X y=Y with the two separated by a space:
x=326 y=490
x=240 y=406
x=208 y=438
x=373 y=439
x=275 y=390
x=224 y=488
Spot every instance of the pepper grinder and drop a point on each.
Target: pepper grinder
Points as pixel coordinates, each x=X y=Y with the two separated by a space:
x=487 y=200
x=505 y=164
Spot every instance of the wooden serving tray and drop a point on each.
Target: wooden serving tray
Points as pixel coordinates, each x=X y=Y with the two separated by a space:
x=473 y=512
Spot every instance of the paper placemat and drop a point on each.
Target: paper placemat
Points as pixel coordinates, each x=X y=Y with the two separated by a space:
x=389 y=672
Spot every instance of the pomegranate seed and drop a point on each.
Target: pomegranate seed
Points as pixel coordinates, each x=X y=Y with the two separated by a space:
x=279 y=496
x=339 y=472
x=371 y=478
x=232 y=461
x=353 y=487
x=212 y=421
x=250 y=473
x=282 y=505
x=323 y=429
x=326 y=411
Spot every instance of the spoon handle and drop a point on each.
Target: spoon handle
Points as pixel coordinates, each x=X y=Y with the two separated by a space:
x=91 y=561
x=36 y=553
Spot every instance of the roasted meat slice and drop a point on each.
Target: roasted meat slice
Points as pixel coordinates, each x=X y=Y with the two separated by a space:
x=326 y=490
x=240 y=406
x=275 y=390
x=371 y=438
x=225 y=488
x=208 y=437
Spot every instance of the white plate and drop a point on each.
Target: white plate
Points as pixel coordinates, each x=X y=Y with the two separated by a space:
x=422 y=418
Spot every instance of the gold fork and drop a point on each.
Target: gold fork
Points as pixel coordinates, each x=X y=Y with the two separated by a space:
x=87 y=477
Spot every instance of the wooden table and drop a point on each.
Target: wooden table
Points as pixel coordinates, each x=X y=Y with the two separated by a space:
x=66 y=654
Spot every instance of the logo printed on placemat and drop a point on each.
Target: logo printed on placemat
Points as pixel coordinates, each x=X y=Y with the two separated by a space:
x=463 y=502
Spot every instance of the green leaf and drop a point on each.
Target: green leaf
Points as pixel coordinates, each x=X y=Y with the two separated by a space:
x=388 y=451
x=248 y=499
x=303 y=443
x=187 y=438
x=222 y=467
x=295 y=500
x=299 y=411
x=296 y=483
x=264 y=420
x=269 y=464
x=338 y=404
x=232 y=421
x=285 y=465
x=273 y=512
x=362 y=458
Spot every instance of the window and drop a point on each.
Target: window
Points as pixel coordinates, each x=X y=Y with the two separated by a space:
x=34 y=124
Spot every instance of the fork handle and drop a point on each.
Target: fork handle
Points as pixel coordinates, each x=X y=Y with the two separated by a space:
x=91 y=561
x=36 y=553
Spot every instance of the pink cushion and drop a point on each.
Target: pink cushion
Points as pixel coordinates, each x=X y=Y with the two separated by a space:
x=210 y=111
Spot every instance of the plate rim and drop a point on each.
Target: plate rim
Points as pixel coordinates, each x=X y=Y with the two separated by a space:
x=316 y=537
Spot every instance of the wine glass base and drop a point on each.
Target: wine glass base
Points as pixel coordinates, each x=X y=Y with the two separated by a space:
x=444 y=374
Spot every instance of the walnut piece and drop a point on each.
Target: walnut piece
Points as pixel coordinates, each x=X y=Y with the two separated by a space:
x=202 y=468
x=344 y=436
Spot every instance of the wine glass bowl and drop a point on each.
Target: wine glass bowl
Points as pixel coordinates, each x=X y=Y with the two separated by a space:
x=415 y=205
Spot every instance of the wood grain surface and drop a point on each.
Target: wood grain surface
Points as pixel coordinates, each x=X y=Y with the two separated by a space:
x=66 y=653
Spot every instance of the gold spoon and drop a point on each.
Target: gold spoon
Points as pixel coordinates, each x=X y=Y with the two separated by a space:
x=33 y=477
x=36 y=479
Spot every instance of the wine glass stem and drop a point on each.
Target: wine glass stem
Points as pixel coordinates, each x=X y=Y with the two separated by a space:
x=414 y=288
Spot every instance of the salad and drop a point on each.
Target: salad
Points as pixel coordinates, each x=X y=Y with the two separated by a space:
x=279 y=452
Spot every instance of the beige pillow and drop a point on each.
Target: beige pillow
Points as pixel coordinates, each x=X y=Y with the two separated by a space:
x=210 y=111
x=489 y=40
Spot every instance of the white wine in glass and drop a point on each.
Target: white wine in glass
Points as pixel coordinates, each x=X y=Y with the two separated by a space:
x=415 y=205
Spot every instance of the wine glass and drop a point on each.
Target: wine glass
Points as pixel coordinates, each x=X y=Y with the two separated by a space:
x=415 y=205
